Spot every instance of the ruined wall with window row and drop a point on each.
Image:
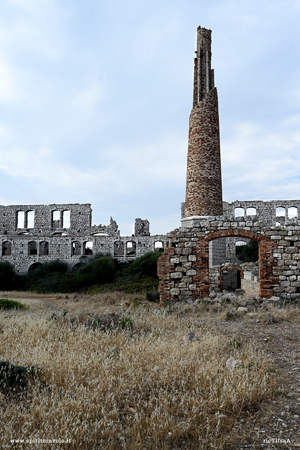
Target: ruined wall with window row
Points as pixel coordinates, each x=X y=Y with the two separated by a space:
x=269 y=212
x=33 y=234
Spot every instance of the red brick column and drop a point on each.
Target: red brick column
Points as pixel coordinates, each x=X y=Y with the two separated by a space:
x=203 y=179
x=266 y=264
x=201 y=265
x=164 y=269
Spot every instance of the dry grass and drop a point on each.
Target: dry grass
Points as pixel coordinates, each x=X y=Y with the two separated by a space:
x=145 y=388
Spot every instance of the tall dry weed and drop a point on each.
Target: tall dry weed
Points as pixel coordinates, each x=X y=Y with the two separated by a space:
x=143 y=388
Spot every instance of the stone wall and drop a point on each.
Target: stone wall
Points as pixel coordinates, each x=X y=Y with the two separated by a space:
x=186 y=272
x=33 y=234
x=250 y=283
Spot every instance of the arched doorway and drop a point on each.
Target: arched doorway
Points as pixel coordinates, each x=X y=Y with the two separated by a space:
x=267 y=279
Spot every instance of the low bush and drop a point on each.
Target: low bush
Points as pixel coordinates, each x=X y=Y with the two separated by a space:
x=145 y=265
x=11 y=304
x=152 y=295
x=8 y=276
x=16 y=378
x=99 y=271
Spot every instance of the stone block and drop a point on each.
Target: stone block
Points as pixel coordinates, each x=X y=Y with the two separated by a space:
x=191 y=272
x=186 y=279
x=174 y=291
x=176 y=275
x=174 y=260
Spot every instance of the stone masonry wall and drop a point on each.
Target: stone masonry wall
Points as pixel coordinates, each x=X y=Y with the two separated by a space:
x=33 y=234
x=279 y=254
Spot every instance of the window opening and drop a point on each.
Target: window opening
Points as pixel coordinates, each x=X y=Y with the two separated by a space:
x=251 y=211
x=239 y=212
x=158 y=246
x=88 y=248
x=66 y=219
x=32 y=248
x=280 y=211
x=118 y=248
x=292 y=212
x=44 y=248
x=55 y=219
x=130 y=248
x=20 y=219
x=76 y=248
x=6 y=248
x=30 y=219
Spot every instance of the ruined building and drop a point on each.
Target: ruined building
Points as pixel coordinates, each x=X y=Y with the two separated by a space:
x=203 y=249
x=33 y=234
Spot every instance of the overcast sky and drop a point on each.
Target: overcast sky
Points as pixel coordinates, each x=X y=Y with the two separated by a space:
x=95 y=98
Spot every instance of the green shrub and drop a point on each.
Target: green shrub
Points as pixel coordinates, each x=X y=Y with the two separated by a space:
x=8 y=276
x=248 y=252
x=11 y=304
x=145 y=265
x=126 y=322
x=152 y=295
x=100 y=271
x=55 y=282
x=16 y=378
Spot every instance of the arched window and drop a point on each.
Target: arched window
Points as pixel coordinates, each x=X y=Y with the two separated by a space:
x=88 y=248
x=292 y=212
x=130 y=248
x=44 y=248
x=118 y=248
x=239 y=212
x=76 y=248
x=158 y=246
x=6 y=248
x=250 y=211
x=280 y=211
x=32 y=248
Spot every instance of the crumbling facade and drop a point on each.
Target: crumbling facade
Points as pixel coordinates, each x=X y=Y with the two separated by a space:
x=33 y=234
x=201 y=254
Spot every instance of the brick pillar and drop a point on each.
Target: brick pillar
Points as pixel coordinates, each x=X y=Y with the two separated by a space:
x=164 y=269
x=266 y=264
x=201 y=265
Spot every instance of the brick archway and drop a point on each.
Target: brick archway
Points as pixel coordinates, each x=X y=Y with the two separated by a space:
x=228 y=268
x=266 y=261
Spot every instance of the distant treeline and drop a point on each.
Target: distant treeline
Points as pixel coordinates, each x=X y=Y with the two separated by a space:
x=101 y=273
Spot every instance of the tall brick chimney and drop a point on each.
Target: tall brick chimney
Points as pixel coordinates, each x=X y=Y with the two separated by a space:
x=203 y=179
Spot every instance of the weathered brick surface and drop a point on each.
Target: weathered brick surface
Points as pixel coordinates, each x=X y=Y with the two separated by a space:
x=203 y=182
x=164 y=270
